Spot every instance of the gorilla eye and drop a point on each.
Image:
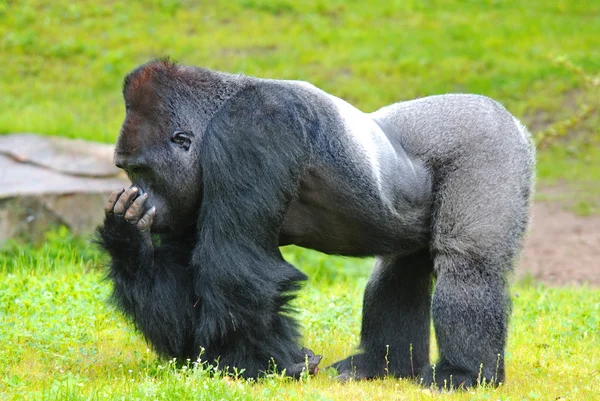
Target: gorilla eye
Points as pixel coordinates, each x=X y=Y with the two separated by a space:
x=183 y=139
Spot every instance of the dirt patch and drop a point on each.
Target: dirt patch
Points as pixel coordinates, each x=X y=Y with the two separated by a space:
x=561 y=247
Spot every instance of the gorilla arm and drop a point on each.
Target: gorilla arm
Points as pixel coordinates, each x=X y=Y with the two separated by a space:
x=252 y=158
x=151 y=285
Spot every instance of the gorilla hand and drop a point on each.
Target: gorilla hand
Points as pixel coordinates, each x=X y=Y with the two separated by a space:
x=310 y=364
x=130 y=205
x=126 y=229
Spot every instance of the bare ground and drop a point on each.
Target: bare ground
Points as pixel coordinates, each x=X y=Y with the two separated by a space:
x=561 y=248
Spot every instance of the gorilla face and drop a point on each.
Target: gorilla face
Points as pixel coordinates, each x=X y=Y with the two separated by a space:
x=160 y=158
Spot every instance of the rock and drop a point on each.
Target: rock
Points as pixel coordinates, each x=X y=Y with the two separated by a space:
x=69 y=156
x=48 y=181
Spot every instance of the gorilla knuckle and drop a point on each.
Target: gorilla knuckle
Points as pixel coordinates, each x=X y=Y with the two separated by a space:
x=143 y=224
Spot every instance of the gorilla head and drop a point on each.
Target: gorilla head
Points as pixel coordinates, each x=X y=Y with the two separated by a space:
x=159 y=142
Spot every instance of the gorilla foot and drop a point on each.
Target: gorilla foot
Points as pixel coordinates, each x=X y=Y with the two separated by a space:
x=352 y=368
x=444 y=377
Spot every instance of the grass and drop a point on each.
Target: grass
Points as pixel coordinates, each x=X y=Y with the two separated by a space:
x=63 y=64
x=61 y=340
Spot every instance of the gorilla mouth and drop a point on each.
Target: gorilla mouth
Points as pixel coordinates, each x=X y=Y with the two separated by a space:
x=162 y=223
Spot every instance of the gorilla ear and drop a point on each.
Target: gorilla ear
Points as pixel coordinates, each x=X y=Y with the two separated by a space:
x=183 y=139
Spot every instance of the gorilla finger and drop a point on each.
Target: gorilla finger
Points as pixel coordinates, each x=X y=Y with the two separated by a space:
x=145 y=222
x=125 y=200
x=112 y=200
x=310 y=365
x=313 y=364
x=136 y=210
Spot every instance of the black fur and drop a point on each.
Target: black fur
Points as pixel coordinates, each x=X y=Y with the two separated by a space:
x=153 y=285
x=396 y=319
x=242 y=280
x=437 y=188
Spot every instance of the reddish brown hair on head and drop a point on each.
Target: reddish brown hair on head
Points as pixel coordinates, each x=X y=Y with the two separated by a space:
x=147 y=73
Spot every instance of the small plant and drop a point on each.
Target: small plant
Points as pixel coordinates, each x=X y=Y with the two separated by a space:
x=561 y=128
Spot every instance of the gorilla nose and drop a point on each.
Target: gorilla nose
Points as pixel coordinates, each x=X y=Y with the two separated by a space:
x=120 y=161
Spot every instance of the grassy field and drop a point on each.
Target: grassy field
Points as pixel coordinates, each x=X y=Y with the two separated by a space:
x=60 y=340
x=61 y=73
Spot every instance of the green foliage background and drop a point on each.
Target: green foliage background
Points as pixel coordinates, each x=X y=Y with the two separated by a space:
x=63 y=62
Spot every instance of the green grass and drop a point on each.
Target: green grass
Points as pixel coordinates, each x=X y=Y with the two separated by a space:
x=61 y=340
x=61 y=73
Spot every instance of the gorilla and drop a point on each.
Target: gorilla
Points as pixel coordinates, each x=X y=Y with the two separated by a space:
x=228 y=168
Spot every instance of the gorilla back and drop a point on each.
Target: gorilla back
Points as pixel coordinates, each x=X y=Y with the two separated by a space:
x=227 y=168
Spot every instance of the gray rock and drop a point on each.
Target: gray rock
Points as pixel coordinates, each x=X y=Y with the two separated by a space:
x=49 y=181
x=69 y=156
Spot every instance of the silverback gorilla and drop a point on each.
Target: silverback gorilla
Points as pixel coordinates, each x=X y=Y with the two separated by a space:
x=227 y=168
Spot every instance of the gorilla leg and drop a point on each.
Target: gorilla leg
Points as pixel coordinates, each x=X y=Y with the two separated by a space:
x=396 y=320
x=481 y=160
x=470 y=316
x=477 y=232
